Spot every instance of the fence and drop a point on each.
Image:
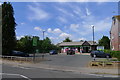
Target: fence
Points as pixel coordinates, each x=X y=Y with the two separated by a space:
x=113 y=64
x=25 y=59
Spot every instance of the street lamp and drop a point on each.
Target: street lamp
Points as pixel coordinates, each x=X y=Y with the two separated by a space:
x=43 y=34
x=93 y=33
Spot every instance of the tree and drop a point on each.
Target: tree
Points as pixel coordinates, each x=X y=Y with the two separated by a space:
x=46 y=45
x=105 y=41
x=8 y=28
x=25 y=44
x=67 y=40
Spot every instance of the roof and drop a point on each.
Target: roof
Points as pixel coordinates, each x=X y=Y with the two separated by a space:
x=76 y=43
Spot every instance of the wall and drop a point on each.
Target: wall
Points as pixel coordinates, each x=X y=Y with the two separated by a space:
x=114 y=35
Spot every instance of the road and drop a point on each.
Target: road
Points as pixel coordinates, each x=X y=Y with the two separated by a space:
x=60 y=60
x=9 y=71
x=68 y=60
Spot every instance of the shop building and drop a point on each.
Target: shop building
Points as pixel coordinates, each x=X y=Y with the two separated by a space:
x=79 y=47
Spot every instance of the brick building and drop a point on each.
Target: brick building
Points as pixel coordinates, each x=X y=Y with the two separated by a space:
x=115 y=33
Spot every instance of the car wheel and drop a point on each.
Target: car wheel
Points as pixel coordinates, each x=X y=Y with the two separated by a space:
x=107 y=57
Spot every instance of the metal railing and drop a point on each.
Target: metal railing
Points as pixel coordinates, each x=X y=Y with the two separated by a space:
x=25 y=59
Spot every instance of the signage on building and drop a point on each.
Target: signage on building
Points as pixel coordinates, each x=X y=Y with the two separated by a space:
x=100 y=47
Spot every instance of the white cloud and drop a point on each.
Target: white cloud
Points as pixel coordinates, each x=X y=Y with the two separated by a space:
x=64 y=35
x=63 y=11
x=1 y=3
x=62 y=19
x=37 y=13
x=74 y=27
x=49 y=30
x=19 y=37
x=88 y=12
x=22 y=23
x=103 y=25
x=62 y=0
x=37 y=28
x=82 y=39
x=56 y=30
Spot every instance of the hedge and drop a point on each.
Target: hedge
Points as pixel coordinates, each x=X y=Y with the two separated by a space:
x=115 y=54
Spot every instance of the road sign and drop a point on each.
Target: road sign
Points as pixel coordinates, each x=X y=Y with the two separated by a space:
x=35 y=39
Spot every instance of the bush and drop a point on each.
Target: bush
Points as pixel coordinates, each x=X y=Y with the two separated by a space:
x=115 y=54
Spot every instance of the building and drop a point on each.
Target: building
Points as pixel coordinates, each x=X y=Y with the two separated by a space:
x=115 y=33
x=82 y=46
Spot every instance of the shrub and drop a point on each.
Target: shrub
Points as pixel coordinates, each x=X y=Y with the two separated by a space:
x=115 y=54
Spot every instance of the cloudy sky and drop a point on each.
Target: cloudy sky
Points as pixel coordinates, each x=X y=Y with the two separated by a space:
x=64 y=19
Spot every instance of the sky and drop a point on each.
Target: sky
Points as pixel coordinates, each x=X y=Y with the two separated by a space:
x=64 y=19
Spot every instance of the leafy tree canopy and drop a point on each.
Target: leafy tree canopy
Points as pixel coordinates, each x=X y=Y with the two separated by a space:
x=67 y=40
x=104 y=41
x=8 y=28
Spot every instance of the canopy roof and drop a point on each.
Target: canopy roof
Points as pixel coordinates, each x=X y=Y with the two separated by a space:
x=77 y=43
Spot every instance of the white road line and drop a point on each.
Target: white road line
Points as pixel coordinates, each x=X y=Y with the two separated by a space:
x=21 y=67
x=24 y=67
x=15 y=75
x=104 y=75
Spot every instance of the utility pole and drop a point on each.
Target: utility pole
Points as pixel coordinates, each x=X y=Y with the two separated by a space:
x=43 y=39
x=43 y=34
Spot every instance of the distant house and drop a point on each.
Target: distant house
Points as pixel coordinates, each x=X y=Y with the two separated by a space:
x=115 y=33
x=84 y=46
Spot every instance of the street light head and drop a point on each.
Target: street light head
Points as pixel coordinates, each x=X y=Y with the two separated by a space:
x=92 y=25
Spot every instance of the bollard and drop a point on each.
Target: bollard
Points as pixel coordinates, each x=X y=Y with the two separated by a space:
x=43 y=56
x=103 y=64
x=94 y=57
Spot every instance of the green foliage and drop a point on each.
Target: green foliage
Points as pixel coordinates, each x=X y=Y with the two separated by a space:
x=105 y=41
x=115 y=54
x=25 y=44
x=8 y=28
x=67 y=40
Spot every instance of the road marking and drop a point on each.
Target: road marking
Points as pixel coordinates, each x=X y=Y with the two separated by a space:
x=24 y=67
x=104 y=75
x=21 y=67
x=15 y=75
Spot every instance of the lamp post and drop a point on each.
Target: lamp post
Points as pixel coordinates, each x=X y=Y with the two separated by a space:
x=43 y=34
x=93 y=42
x=43 y=39
x=93 y=33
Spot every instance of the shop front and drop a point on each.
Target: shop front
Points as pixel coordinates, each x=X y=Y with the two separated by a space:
x=78 y=47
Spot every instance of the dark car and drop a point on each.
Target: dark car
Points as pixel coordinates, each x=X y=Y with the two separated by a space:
x=52 y=52
x=100 y=54
x=70 y=52
x=19 y=53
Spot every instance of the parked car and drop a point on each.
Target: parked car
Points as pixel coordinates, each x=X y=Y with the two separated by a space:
x=52 y=52
x=100 y=54
x=19 y=53
x=70 y=52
